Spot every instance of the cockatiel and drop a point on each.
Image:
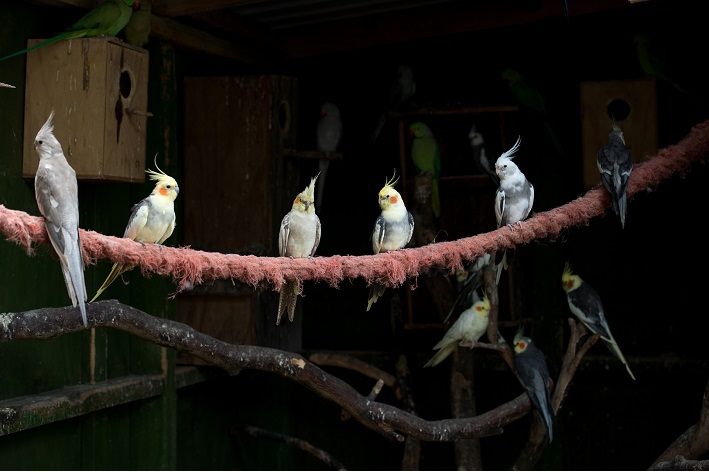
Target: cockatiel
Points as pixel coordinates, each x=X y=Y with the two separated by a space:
x=299 y=237
x=328 y=137
x=108 y=18
x=57 y=194
x=152 y=220
x=534 y=376
x=468 y=328
x=615 y=165
x=514 y=197
x=585 y=303
x=400 y=93
x=477 y=142
x=392 y=230
x=426 y=154
x=469 y=279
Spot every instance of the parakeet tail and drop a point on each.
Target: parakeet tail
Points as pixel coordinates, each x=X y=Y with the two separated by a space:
x=287 y=300
x=116 y=270
x=66 y=35
x=441 y=355
x=375 y=291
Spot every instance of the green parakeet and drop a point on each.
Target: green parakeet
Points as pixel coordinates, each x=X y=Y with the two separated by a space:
x=137 y=31
x=529 y=97
x=426 y=155
x=109 y=18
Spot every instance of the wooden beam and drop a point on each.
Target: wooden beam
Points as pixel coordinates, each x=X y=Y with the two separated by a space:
x=171 y=8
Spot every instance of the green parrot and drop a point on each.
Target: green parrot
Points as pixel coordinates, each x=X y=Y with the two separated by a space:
x=106 y=19
x=530 y=97
x=137 y=31
x=426 y=155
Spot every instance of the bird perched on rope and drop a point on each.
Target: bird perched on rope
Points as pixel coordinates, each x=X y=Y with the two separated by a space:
x=468 y=328
x=299 y=236
x=514 y=197
x=615 y=165
x=328 y=137
x=400 y=93
x=585 y=303
x=152 y=220
x=534 y=376
x=426 y=154
x=108 y=18
x=392 y=230
x=57 y=194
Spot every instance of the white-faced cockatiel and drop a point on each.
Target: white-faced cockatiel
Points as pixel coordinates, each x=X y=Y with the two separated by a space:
x=108 y=18
x=57 y=194
x=585 y=303
x=534 y=376
x=399 y=95
x=468 y=280
x=392 y=230
x=152 y=220
x=514 y=197
x=426 y=154
x=468 y=328
x=615 y=165
x=477 y=142
x=328 y=137
x=299 y=237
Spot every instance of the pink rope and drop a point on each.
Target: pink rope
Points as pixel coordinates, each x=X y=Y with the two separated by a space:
x=190 y=267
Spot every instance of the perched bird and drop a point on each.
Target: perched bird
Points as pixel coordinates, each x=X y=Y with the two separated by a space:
x=392 y=230
x=328 y=137
x=615 y=165
x=152 y=220
x=514 y=197
x=468 y=328
x=585 y=303
x=299 y=237
x=477 y=142
x=57 y=194
x=399 y=95
x=469 y=280
x=532 y=99
x=533 y=374
x=426 y=154
x=108 y=18
x=137 y=31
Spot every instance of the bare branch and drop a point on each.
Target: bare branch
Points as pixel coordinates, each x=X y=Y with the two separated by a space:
x=680 y=463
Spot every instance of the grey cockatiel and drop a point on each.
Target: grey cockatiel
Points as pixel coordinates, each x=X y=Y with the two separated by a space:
x=615 y=165
x=328 y=137
x=299 y=237
x=57 y=194
x=400 y=93
x=477 y=142
x=514 y=197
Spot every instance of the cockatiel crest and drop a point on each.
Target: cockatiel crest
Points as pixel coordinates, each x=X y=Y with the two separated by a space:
x=569 y=281
x=388 y=196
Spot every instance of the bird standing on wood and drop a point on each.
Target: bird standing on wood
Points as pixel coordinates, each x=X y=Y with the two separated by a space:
x=152 y=220
x=299 y=236
x=514 y=197
x=585 y=303
x=109 y=18
x=392 y=230
x=426 y=154
x=534 y=376
x=468 y=328
x=57 y=194
x=328 y=137
x=615 y=165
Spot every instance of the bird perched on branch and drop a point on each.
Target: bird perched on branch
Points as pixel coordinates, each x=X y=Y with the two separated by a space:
x=469 y=279
x=57 y=194
x=152 y=220
x=615 y=165
x=585 y=303
x=468 y=328
x=399 y=95
x=477 y=142
x=426 y=154
x=328 y=137
x=108 y=18
x=299 y=236
x=514 y=197
x=534 y=376
x=392 y=230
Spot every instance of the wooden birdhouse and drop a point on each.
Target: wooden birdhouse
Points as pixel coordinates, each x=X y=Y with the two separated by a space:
x=98 y=89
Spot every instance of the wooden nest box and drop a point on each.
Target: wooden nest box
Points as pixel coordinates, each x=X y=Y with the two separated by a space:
x=98 y=89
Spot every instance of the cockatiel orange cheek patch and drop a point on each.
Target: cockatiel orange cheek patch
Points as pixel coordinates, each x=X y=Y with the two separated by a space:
x=163 y=191
x=393 y=200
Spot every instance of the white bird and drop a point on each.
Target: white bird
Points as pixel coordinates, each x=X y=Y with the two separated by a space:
x=467 y=329
x=57 y=194
x=328 y=137
x=392 y=230
x=299 y=236
x=514 y=197
x=477 y=142
x=400 y=93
